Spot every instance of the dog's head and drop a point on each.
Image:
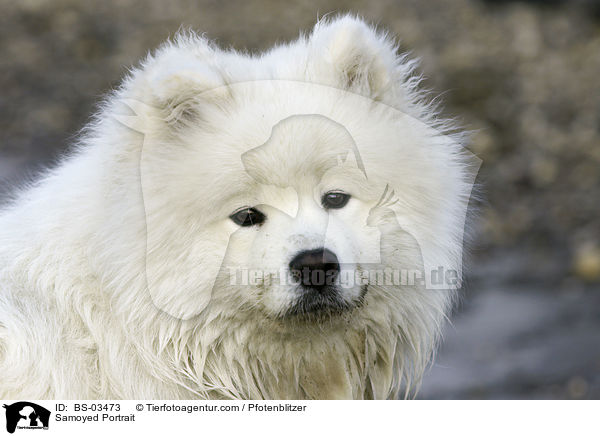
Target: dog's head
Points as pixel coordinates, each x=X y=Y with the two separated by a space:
x=288 y=197
x=310 y=184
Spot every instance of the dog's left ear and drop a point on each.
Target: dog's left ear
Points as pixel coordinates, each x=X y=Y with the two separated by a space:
x=355 y=56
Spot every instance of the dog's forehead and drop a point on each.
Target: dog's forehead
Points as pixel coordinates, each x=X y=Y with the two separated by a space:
x=300 y=147
x=292 y=160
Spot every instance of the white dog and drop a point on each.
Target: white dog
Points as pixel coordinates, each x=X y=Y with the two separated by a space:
x=237 y=226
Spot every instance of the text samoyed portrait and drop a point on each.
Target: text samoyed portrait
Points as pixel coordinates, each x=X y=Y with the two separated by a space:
x=283 y=225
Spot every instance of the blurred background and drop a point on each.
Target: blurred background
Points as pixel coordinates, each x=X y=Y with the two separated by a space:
x=524 y=76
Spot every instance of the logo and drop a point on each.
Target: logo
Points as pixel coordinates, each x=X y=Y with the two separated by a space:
x=26 y=415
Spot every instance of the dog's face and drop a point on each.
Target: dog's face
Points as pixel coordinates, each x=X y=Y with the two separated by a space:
x=284 y=213
x=302 y=232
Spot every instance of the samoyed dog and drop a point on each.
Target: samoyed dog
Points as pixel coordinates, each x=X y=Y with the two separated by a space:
x=286 y=225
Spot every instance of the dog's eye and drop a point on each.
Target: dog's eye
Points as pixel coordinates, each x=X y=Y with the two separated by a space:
x=248 y=216
x=335 y=200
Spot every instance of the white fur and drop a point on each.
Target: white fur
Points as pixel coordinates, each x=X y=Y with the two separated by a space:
x=108 y=263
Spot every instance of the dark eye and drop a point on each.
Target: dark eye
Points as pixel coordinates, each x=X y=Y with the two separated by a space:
x=335 y=200
x=248 y=216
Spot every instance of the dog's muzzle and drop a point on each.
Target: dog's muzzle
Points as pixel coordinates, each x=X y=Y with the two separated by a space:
x=317 y=272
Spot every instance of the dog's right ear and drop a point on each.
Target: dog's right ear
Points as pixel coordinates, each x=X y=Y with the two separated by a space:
x=180 y=85
x=175 y=84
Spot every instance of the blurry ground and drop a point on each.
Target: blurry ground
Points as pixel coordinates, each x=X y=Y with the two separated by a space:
x=522 y=75
x=527 y=340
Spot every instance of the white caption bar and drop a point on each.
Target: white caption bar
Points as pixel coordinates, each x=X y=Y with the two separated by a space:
x=23 y=417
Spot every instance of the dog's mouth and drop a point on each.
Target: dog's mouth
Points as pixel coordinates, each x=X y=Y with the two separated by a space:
x=327 y=301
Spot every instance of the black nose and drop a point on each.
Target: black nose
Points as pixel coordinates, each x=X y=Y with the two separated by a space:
x=315 y=269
